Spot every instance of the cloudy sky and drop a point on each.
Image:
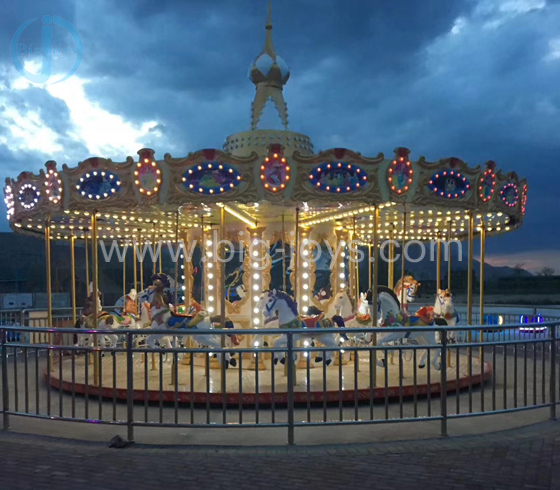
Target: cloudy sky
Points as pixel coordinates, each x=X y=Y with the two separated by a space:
x=475 y=79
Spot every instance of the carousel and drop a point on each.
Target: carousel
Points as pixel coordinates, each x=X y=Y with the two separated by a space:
x=266 y=233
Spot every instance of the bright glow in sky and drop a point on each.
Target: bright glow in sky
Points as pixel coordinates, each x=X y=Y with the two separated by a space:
x=102 y=132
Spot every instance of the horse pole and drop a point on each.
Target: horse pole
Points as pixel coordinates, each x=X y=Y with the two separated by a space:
x=470 y=282
x=374 y=290
x=482 y=253
x=221 y=252
x=124 y=276
x=403 y=260
x=141 y=260
x=283 y=255
x=73 y=274
x=391 y=265
x=95 y=277
x=49 y=285
x=449 y=257
x=438 y=263
x=154 y=258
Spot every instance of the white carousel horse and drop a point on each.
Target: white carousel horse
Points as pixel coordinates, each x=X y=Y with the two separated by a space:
x=411 y=287
x=277 y=303
x=389 y=314
x=444 y=309
x=342 y=305
x=107 y=320
x=165 y=318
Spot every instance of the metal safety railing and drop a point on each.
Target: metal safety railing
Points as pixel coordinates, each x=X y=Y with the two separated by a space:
x=427 y=373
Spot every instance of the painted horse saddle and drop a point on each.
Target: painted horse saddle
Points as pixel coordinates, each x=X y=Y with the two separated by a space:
x=312 y=321
x=124 y=319
x=178 y=320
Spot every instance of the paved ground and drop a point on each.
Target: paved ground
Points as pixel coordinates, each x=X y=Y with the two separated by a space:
x=522 y=458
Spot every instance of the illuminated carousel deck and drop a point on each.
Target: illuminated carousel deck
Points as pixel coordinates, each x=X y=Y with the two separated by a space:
x=333 y=383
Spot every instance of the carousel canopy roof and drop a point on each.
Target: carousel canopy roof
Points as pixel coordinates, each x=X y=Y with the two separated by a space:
x=261 y=176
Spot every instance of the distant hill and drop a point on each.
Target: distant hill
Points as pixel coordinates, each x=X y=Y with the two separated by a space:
x=426 y=269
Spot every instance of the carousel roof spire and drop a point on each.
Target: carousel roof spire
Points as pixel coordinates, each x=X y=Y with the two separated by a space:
x=268 y=46
x=269 y=72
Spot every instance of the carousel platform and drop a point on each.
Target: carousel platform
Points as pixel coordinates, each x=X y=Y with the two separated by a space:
x=316 y=384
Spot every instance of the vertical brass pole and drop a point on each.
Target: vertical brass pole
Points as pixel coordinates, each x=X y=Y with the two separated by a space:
x=141 y=265
x=160 y=260
x=49 y=282
x=449 y=262
x=154 y=258
x=470 y=270
x=124 y=273
x=187 y=291
x=370 y=262
x=73 y=275
x=482 y=270
x=135 y=263
x=86 y=249
x=438 y=264
x=94 y=250
x=221 y=253
x=374 y=291
x=177 y=252
x=391 y=264
x=356 y=265
x=283 y=254
x=403 y=261
x=374 y=280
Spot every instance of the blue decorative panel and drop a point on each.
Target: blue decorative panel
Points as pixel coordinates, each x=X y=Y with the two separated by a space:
x=98 y=185
x=211 y=178
x=449 y=184
x=338 y=178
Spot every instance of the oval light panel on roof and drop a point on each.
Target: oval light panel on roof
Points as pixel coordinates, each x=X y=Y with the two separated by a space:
x=98 y=185
x=449 y=184
x=29 y=196
x=338 y=178
x=211 y=178
x=510 y=194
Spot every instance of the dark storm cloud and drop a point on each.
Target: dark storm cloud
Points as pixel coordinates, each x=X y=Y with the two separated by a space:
x=14 y=14
x=365 y=75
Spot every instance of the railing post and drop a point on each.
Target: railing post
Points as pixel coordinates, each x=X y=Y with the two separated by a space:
x=443 y=392
x=129 y=387
x=290 y=361
x=5 y=388
x=552 y=331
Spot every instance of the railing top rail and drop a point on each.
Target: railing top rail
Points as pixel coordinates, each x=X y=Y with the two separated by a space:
x=277 y=331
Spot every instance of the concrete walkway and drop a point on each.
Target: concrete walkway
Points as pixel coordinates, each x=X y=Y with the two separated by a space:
x=527 y=457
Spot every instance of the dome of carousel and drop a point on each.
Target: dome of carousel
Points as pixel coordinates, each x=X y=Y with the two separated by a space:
x=280 y=205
